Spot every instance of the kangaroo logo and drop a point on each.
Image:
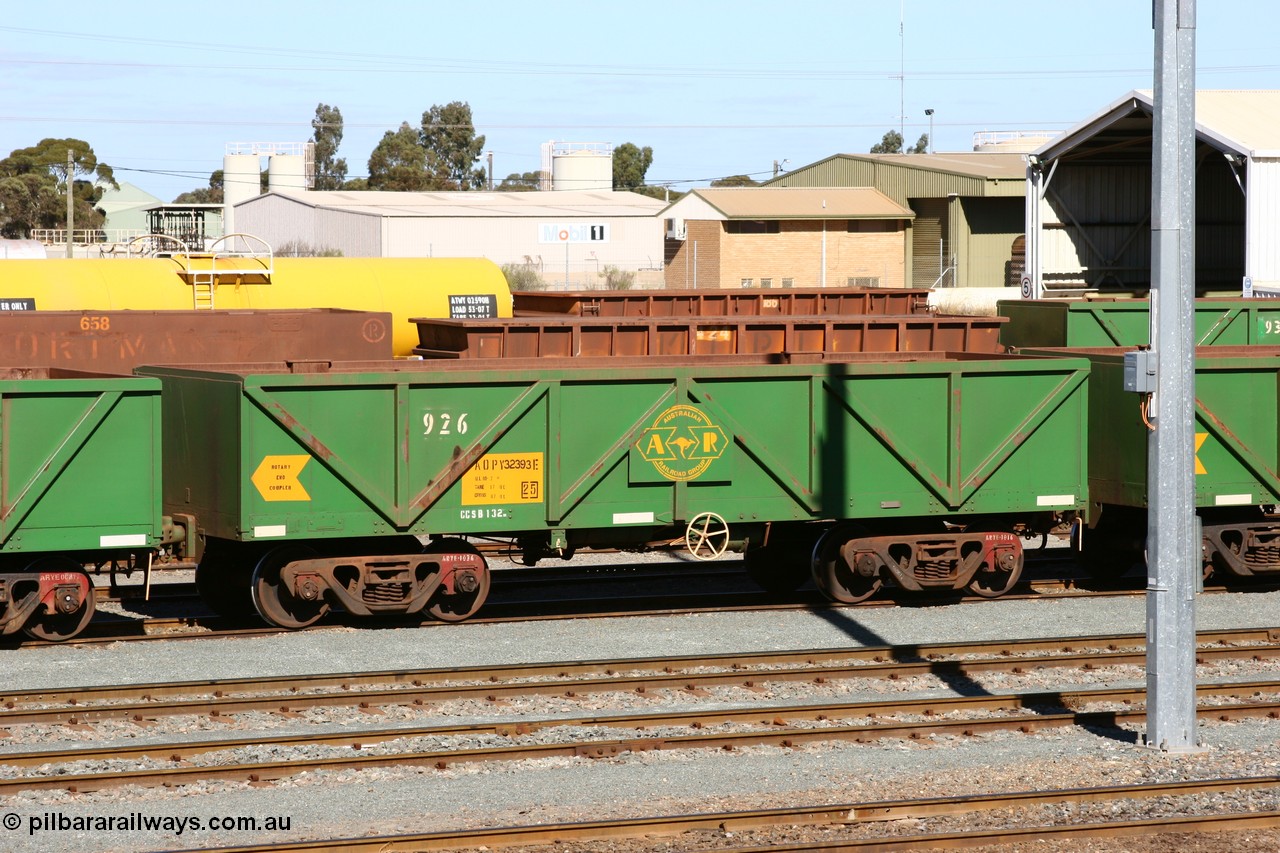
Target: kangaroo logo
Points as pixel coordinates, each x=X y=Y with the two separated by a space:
x=682 y=443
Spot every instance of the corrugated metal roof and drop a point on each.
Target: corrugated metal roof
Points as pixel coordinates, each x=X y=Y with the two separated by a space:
x=1250 y=118
x=802 y=203
x=1244 y=120
x=479 y=204
x=976 y=164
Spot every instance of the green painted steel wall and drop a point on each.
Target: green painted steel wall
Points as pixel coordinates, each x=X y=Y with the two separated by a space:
x=1101 y=323
x=1237 y=429
x=402 y=449
x=79 y=461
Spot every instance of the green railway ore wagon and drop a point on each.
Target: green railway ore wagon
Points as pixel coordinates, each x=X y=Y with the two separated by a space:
x=320 y=480
x=1126 y=322
x=80 y=474
x=1237 y=460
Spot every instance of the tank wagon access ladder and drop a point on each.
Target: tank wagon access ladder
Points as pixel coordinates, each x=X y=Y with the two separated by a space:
x=244 y=259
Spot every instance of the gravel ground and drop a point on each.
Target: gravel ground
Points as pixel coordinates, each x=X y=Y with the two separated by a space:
x=351 y=803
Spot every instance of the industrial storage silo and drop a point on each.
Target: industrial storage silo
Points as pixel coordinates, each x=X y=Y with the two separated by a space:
x=241 y=181
x=290 y=167
x=1011 y=141
x=582 y=166
x=286 y=172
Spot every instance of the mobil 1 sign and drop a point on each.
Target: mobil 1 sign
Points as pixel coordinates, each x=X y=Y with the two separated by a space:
x=582 y=233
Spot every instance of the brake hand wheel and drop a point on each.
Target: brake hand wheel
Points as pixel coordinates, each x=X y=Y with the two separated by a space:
x=707 y=536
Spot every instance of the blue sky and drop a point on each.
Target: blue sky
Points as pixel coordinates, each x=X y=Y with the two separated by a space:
x=715 y=88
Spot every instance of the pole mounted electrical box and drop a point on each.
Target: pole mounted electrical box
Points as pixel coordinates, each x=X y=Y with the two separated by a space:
x=1140 y=371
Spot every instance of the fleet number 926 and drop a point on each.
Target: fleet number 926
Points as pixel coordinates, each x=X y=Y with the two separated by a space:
x=444 y=423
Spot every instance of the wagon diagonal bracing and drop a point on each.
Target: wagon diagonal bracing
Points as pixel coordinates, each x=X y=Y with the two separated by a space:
x=321 y=480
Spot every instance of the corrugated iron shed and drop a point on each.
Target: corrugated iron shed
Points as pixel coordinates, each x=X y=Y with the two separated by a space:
x=1237 y=120
x=974 y=174
x=1088 y=211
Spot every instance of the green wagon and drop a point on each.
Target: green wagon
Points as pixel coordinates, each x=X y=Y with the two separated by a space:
x=1126 y=322
x=921 y=469
x=1237 y=460
x=79 y=459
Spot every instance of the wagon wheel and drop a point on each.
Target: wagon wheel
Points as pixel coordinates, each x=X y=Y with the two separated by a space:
x=463 y=603
x=59 y=626
x=834 y=577
x=275 y=602
x=707 y=536
x=997 y=583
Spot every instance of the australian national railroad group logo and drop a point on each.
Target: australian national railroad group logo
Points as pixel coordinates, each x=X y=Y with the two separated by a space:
x=682 y=443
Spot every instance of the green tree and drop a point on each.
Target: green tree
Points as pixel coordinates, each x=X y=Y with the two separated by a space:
x=211 y=194
x=29 y=201
x=331 y=170
x=630 y=163
x=449 y=139
x=33 y=185
x=399 y=162
x=891 y=143
x=518 y=182
x=523 y=277
x=735 y=181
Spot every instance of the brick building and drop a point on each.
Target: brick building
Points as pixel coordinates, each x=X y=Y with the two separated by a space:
x=785 y=237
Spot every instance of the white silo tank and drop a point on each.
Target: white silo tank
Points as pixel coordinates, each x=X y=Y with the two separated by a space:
x=1011 y=141
x=582 y=166
x=287 y=173
x=241 y=181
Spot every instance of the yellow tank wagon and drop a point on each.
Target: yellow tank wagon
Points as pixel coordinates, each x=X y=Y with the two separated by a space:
x=404 y=287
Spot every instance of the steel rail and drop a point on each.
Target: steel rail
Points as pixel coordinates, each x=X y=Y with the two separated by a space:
x=211 y=697
x=1013 y=835
x=836 y=816
x=778 y=733
x=213 y=627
